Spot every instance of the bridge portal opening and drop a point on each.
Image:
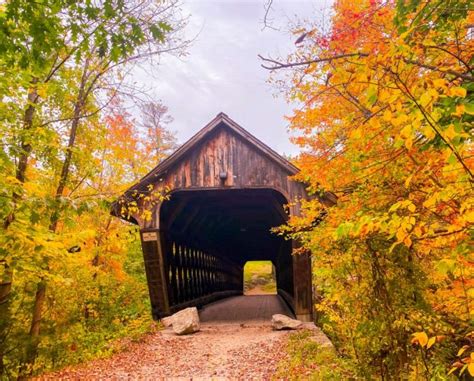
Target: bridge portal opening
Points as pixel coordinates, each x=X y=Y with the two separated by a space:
x=209 y=235
x=259 y=278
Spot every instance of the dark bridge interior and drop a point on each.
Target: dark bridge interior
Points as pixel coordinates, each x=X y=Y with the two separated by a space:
x=209 y=235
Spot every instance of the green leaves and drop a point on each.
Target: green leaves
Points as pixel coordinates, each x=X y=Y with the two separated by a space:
x=469 y=108
x=32 y=32
x=160 y=30
x=423 y=15
x=157 y=33
x=446 y=266
x=343 y=230
x=372 y=95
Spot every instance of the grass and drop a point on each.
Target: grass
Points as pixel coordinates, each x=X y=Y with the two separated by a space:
x=308 y=360
x=259 y=274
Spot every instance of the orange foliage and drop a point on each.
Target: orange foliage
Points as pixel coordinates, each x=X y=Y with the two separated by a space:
x=388 y=129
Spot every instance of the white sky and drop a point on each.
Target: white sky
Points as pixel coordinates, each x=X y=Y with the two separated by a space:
x=222 y=71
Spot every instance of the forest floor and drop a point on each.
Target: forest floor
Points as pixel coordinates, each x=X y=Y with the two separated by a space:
x=236 y=342
x=217 y=352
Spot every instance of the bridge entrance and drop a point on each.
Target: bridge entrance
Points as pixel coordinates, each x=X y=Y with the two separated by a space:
x=209 y=235
x=224 y=191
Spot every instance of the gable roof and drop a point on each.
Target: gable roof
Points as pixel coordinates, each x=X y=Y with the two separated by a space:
x=221 y=120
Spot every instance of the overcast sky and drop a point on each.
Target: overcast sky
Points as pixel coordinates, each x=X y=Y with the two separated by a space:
x=222 y=72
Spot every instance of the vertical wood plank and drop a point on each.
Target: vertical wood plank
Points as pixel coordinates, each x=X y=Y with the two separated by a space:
x=153 y=255
x=302 y=283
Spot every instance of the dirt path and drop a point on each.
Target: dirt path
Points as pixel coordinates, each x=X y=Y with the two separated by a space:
x=258 y=290
x=236 y=342
x=217 y=352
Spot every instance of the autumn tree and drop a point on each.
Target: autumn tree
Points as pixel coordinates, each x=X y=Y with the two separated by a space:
x=62 y=64
x=161 y=142
x=386 y=124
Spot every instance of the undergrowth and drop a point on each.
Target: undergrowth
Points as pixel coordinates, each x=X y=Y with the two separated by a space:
x=309 y=360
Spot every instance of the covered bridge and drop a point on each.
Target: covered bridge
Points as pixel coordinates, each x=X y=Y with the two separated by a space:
x=208 y=209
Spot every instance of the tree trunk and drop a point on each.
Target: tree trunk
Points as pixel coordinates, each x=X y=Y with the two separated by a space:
x=25 y=146
x=5 y=291
x=28 y=124
x=38 y=308
x=78 y=107
x=32 y=349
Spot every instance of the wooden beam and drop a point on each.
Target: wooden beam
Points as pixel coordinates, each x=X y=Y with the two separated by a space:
x=153 y=255
x=302 y=283
x=279 y=208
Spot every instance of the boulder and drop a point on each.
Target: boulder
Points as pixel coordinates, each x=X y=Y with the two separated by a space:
x=185 y=321
x=280 y=322
x=167 y=321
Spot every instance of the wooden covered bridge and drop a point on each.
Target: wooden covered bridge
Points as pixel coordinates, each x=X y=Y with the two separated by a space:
x=208 y=209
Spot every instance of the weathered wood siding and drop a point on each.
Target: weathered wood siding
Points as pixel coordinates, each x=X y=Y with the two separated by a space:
x=245 y=166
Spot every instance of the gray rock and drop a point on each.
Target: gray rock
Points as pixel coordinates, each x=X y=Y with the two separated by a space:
x=185 y=321
x=280 y=322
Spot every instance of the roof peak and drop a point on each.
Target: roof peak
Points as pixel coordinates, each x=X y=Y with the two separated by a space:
x=220 y=119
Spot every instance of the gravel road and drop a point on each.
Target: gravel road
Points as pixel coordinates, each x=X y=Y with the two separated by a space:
x=217 y=352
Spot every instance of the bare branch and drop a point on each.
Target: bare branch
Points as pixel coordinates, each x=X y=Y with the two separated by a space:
x=434 y=68
x=266 y=23
x=282 y=65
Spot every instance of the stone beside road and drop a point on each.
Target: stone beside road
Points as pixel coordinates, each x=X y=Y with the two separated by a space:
x=183 y=322
x=280 y=322
x=236 y=349
x=167 y=321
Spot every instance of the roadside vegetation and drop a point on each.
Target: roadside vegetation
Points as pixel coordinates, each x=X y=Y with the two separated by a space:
x=308 y=360
x=71 y=275
x=259 y=278
x=385 y=119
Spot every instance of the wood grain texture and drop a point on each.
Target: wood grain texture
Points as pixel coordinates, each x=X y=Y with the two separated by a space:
x=245 y=166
